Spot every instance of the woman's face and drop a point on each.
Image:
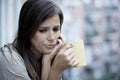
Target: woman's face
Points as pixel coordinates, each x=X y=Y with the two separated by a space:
x=46 y=37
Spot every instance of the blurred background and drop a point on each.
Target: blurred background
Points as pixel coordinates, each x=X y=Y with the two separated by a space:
x=96 y=22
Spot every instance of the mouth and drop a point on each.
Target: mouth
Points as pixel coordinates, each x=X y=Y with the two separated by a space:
x=51 y=46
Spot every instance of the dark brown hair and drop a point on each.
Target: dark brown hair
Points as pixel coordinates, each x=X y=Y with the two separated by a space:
x=32 y=14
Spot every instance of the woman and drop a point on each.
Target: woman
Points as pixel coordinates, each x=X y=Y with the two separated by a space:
x=39 y=51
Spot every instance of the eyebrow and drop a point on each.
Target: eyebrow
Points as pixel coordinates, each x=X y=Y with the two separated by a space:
x=48 y=27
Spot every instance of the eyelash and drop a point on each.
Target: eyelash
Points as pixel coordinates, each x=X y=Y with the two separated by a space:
x=56 y=29
x=45 y=30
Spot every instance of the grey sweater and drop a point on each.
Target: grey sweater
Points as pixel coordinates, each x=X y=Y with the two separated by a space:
x=12 y=65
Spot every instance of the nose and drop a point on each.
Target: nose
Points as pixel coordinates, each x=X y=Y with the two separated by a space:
x=51 y=36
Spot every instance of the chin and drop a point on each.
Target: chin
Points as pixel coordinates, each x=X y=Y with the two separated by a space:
x=48 y=51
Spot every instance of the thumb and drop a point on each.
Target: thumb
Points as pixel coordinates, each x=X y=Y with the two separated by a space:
x=55 y=51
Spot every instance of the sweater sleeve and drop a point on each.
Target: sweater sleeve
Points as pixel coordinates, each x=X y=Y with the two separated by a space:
x=12 y=66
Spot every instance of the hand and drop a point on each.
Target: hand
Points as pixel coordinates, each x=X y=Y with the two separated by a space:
x=65 y=58
x=49 y=57
x=47 y=60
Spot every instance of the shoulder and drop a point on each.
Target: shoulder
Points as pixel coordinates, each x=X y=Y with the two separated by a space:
x=11 y=63
x=9 y=54
x=5 y=52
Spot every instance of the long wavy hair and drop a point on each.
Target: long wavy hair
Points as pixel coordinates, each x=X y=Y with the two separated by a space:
x=32 y=14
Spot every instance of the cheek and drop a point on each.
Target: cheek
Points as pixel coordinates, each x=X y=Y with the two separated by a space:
x=39 y=37
x=58 y=35
x=37 y=40
x=38 y=44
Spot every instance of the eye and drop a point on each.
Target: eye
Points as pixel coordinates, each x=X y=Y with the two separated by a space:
x=56 y=29
x=42 y=30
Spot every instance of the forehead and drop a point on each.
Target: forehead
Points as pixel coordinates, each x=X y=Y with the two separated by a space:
x=52 y=21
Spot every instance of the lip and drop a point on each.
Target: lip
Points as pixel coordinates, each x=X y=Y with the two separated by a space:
x=51 y=46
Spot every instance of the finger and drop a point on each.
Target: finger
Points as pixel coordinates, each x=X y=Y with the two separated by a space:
x=72 y=58
x=58 y=47
x=54 y=52
x=60 y=42
x=74 y=62
x=66 y=47
x=69 y=52
x=62 y=38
